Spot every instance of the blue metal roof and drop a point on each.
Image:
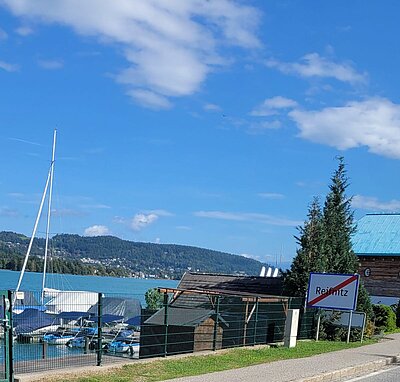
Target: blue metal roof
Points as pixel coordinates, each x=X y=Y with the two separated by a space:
x=377 y=235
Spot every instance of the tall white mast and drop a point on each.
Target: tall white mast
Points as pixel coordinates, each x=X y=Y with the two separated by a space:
x=21 y=276
x=49 y=214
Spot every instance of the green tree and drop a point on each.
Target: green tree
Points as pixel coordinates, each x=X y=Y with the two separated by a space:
x=338 y=223
x=339 y=226
x=325 y=241
x=309 y=255
x=154 y=299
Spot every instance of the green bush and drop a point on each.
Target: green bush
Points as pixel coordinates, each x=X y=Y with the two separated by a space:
x=398 y=314
x=331 y=332
x=154 y=299
x=385 y=318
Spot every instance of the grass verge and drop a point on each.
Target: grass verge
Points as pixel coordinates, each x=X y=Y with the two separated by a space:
x=161 y=370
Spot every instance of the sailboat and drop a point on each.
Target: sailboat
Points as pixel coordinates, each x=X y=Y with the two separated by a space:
x=53 y=301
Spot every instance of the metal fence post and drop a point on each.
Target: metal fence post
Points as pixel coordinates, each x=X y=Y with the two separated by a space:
x=9 y=338
x=318 y=325
x=215 y=336
x=255 y=323
x=99 y=329
x=165 y=323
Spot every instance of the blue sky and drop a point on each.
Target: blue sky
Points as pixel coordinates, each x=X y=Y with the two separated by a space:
x=206 y=123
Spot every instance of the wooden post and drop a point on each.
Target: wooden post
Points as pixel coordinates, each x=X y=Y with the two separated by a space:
x=44 y=349
x=86 y=348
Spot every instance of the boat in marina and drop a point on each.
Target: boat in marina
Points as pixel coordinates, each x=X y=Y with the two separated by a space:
x=58 y=338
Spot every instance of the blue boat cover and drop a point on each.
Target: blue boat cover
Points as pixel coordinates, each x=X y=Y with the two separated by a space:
x=107 y=318
x=126 y=307
x=32 y=319
x=73 y=315
x=134 y=321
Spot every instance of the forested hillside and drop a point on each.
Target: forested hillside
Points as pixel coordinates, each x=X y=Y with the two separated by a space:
x=113 y=256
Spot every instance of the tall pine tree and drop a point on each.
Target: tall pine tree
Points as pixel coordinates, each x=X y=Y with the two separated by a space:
x=325 y=241
x=308 y=258
x=338 y=223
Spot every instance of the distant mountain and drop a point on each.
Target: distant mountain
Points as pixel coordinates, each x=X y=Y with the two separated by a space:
x=114 y=256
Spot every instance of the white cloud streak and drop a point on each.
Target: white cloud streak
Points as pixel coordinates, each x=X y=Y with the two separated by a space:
x=170 y=45
x=3 y=34
x=270 y=195
x=24 y=31
x=159 y=212
x=212 y=107
x=374 y=123
x=8 y=212
x=245 y=216
x=51 y=64
x=313 y=65
x=272 y=106
x=97 y=230
x=8 y=67
x=370 y=203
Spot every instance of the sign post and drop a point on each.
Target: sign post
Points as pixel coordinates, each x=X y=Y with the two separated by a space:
x=333 y=291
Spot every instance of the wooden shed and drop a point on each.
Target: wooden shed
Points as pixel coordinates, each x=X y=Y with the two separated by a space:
x=181 y=330
x=252 y=306
x=377 y=246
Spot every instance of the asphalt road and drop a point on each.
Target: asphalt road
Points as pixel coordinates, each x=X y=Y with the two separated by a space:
x=390 y=374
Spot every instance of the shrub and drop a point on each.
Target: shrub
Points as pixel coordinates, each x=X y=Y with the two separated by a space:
x=154 y=299
x=385 y=318
x=398 y=314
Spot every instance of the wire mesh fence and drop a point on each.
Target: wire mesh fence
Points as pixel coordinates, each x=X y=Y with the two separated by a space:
x=66 y=329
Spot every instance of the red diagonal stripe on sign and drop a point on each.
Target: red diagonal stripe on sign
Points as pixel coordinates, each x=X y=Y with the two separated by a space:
x=333 y=290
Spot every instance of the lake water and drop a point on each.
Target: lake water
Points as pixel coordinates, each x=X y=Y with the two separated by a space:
x=109 y=285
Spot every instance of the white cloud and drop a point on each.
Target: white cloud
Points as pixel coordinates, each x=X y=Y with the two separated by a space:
x=313 y=65
x=51 y=64
x=212 y=107
x=8 y=67
x=95 y=206
x=245 y=216
x=8 y=212
x=141 y=221
x=159 y=212
x=24 y=141
x=3 y=34
x=170 y=45
x=271 y=195
x=24 y=31
x=248 y=256
x=97 y=230
x=67 y=212
x=262 y=127
x=370 y=203
x=374 y=123
x=149 y=99
x=272 y=106
x=16 y=195
x=183 y=228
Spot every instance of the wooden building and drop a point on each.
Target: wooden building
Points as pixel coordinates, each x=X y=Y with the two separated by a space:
x=212 y=311
x=377 y=245
x=189 y=330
